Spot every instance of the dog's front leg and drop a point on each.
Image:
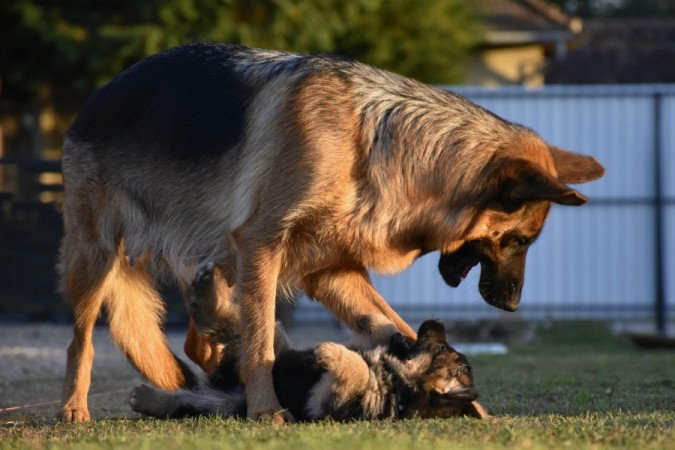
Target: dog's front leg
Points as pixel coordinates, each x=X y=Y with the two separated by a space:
x=349 y=295
x=258 y=285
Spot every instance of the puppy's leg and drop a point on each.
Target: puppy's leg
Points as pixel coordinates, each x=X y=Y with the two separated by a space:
x=202 y=297
x=349 y=295
x=212 y=305
x=203 y=352
x=155 y=402
x=214 y=318
x=347 y=368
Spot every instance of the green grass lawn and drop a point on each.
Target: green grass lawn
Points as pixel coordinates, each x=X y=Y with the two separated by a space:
x=575 y=386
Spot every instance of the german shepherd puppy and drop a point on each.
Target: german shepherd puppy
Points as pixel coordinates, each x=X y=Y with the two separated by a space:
x=429 y=379
x=380 y=376
x=290 y=172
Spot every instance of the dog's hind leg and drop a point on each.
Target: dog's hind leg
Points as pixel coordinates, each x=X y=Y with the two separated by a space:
x=92 y=278
x=135 y=311
x=83 y=282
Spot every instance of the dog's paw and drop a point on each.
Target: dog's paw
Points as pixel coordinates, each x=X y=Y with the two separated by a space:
x=73 y=414
x=372 y=330
x=151 y=401
x=268 y=409
x=277 y=417
x=203 y=276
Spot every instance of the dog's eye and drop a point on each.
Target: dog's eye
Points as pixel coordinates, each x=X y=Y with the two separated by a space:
x=516 y=241
x=522 y=240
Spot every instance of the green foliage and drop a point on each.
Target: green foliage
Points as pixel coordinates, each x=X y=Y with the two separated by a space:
x=72 y=47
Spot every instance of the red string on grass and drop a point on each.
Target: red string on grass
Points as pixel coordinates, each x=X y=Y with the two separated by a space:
x=54 y=402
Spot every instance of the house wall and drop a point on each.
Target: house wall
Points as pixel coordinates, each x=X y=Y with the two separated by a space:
x=520 y=65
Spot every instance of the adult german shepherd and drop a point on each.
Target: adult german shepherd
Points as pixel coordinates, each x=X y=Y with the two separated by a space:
x=290 y=172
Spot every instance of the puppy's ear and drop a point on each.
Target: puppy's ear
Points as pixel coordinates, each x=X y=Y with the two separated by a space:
x=431 y=330
x=398 y=346
x=454 y=388
x=475 y=409
x=575 y=168
x=522 y=180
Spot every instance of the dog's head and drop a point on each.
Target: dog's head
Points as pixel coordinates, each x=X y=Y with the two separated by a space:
x=515 y=194
x=440 y=378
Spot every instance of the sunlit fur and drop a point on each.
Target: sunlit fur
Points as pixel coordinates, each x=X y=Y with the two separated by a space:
x=429 y=379
x=289 y=172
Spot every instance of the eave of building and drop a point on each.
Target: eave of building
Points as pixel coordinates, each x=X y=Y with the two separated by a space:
x=521 y=37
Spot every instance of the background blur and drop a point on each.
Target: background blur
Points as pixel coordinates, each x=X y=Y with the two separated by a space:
x=589 y=75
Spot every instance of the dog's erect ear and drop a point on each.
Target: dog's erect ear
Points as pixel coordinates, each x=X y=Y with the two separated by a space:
x=575 y=168
x=521 y=180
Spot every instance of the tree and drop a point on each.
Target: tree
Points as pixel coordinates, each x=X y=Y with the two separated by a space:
x=68 y=48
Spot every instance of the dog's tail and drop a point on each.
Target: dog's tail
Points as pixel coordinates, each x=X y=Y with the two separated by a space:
x=135 y=313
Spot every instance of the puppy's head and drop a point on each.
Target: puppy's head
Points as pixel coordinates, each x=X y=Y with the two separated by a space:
x=440 y=376
x=514 y=194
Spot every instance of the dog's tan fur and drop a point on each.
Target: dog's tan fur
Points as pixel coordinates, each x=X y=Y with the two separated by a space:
x=347 y=369
x=340 y=168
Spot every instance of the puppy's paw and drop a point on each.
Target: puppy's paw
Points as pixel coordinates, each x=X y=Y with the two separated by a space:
x=203 y=276
x=151 y=401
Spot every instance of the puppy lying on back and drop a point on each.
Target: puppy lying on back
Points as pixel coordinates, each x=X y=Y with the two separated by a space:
x=391 y=381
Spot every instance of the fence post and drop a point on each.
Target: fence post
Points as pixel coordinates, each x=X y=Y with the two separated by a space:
x=659 y=241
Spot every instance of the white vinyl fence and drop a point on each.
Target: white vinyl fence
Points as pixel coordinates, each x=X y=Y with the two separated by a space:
x=612 y=258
